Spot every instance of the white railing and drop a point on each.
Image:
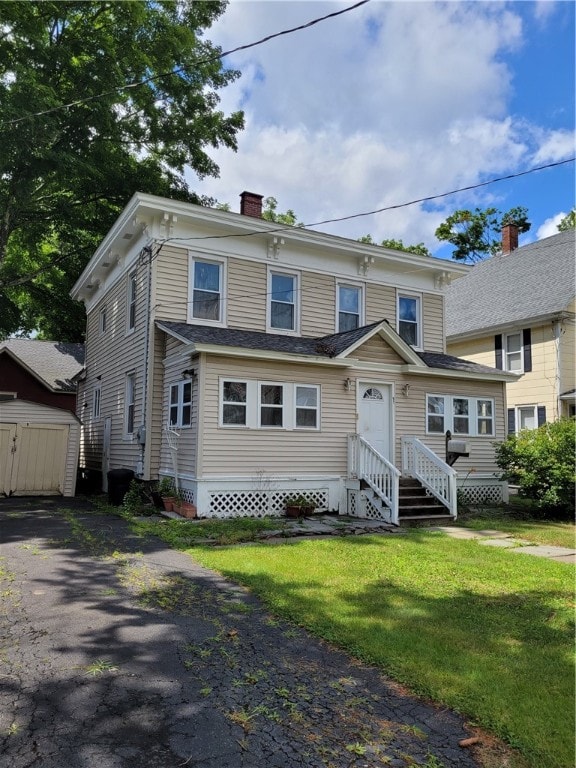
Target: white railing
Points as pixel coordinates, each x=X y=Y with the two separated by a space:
x=435 y=475
x=365 y=463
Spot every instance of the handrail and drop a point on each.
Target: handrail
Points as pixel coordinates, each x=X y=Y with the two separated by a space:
x=366 y=463
x=435 y=475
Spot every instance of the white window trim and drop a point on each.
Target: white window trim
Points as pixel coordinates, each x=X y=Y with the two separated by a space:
x=129 y=389
x=281 y=408
x=297 y=280
x=419 y=329
x=131 y=297
x=473 y=417
x=192 y=259
x=181 y=403
x=254 y=404
x=517 y=410
x=96 y=402
x=306 y=407
x=505 y=352
x=103 y=321
x=361 y=302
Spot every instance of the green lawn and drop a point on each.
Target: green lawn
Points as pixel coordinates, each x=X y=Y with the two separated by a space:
x=482 y=630
x=516 y=520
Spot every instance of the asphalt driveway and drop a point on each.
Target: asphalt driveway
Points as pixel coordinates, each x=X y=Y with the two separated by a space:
x=116 y=652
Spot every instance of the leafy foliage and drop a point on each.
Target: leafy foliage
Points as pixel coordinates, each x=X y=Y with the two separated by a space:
x=398 y=245
x=270 y=213
x=542 y=462
x=568 y=222
x=477 y=234
x=142 y=80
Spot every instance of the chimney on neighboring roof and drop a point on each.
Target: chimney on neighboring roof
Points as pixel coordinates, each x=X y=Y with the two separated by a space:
x=251 y=204
x=509 y=238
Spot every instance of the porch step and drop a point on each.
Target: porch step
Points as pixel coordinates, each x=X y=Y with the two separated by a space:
x=416 y=506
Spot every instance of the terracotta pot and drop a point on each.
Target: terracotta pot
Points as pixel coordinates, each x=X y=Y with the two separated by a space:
x=293 y=511
x=188 y=510
x=168 y=502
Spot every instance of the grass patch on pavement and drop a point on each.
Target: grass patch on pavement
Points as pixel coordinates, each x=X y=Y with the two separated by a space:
x=517 y=520
x=182 y=534
x=478 y=629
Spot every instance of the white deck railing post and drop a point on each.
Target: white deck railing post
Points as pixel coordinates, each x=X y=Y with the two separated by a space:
x=436 y=476
x=366 y=463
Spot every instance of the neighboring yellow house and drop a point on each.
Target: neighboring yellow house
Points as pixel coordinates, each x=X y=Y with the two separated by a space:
x=253 y=362
x=516 y=311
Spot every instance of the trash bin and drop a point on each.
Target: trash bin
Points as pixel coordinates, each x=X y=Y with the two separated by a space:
x=118 y=484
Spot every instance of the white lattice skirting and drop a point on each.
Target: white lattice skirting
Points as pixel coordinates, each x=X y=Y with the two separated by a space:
x=482 y=490
x=259 y=503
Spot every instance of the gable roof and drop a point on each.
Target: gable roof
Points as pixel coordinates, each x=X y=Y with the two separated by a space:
x=535 y=281
x=53 y=363
x=336 y=345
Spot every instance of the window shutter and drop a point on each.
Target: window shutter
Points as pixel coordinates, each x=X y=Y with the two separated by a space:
x=541 y=415
x=498 y=351
x=511 y=421
x=527 y=344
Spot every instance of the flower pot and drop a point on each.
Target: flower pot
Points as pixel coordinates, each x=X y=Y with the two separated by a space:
x=168 y=502
x=292 y=510
x=188 y=510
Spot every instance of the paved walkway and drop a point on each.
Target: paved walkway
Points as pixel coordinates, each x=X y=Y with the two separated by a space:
x=116 y=652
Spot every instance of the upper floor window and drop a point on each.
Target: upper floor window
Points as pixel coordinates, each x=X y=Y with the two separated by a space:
x=461 y=415
x=180 y=408
x=96 y=401
x=349 y=307
x=131 y=301
x=207 y=287
x=102 y=321
x=409 y=322
x=283 y=301
x=129 y=403
x=526 y=417
x=513 y=351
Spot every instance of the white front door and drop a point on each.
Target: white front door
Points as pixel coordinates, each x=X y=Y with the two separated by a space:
x=375 y=417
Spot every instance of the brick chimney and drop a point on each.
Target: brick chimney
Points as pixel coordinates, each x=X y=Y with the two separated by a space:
x=251 y=204
x=509 y=238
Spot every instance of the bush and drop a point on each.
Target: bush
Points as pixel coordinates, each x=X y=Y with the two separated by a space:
x=542 y=463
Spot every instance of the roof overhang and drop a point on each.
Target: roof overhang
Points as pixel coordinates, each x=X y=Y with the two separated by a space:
x=511 y=327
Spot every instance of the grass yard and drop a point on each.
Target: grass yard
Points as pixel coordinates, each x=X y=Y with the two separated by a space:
x=479 y=629
x=516 y=519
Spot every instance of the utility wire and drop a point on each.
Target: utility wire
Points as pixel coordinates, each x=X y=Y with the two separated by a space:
x=182 y=70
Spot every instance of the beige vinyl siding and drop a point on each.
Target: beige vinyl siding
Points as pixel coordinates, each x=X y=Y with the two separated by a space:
x=411 y=418
x=187 y=443
x=172 y=283
x=318 y=300
x=111 y=356
x=247 y=295
x=433 y=322
x=380 y=304
x=376 y=350
x=297 y=453
x=157 y=420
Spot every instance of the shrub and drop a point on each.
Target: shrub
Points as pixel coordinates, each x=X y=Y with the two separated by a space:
x=542 y=463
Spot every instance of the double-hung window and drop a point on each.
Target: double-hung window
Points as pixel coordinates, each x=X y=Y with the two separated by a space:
x=180 y=407
x=306 y=404
x=129 y=403
x=349 y=307
x=131 y=302
x=96 y=402
x=234 y=403
x=461 y=415
x=272 y=405
x=207 y=287
x=409 y=322
x=513 y=352
x=283 y=301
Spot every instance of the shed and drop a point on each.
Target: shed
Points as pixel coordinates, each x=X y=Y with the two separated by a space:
x=39 y=447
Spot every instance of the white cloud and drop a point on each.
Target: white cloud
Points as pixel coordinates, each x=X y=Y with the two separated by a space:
x=391 y=102
x=550 y=226
x=556 y=145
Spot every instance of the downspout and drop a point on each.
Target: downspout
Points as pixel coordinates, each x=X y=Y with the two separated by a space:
x=148 y=369
x=557 y=332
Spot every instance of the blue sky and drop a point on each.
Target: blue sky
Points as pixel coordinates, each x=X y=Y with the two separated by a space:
x=395 y=101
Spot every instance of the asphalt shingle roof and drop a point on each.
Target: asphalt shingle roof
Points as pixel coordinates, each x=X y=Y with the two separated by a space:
x=534 y=280
x=55 y=362
x=324 y=346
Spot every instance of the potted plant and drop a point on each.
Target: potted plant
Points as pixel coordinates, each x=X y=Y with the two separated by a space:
x=167 y=493
x=298 y=506
x=182 y=507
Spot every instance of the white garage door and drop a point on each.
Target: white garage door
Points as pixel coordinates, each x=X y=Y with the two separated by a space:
x=33 y=458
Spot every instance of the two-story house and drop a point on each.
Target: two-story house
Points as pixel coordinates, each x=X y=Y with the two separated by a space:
x=516 y=311
x=251 y=361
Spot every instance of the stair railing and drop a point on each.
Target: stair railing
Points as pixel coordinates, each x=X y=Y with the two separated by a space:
x=366 y=463
x=435 y=475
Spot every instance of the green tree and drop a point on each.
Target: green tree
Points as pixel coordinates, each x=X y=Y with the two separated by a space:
x=142 y=82
x=270 y=213
x=398 y=245
x=542 y=462
x=568 y=222
x=478 y=234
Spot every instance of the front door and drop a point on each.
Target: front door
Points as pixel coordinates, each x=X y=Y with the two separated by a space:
x=375 y=417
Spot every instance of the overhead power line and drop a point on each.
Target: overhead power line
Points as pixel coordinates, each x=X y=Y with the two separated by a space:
x=182 y=70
